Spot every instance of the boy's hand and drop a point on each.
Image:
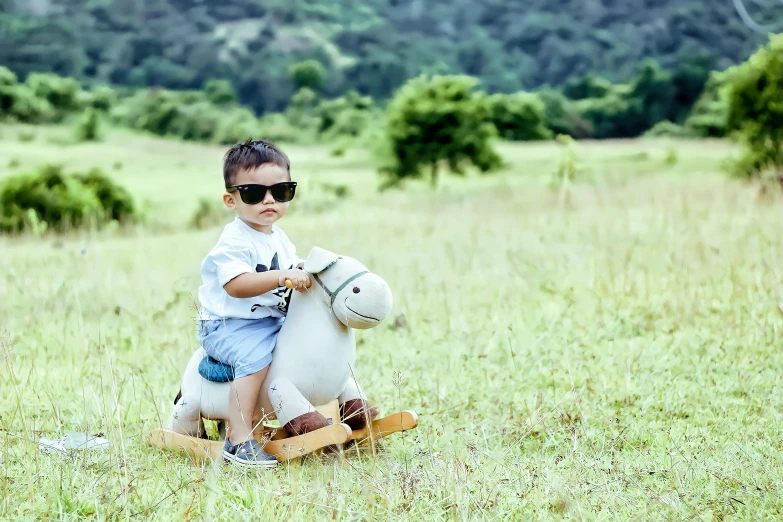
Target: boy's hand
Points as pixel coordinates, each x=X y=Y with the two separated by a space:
x=297 y=279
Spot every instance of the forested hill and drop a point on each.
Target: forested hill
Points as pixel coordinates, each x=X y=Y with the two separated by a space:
x=369 y=45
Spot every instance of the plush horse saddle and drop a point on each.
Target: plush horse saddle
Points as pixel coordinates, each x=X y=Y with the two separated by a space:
x=215 y=371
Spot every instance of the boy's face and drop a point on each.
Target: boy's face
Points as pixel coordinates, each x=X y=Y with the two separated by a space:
x=262 y=215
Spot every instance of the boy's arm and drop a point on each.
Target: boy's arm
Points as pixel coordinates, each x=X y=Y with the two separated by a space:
x=251 y=284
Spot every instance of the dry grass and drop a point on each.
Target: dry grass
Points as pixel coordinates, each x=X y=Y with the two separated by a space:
x=613 y=357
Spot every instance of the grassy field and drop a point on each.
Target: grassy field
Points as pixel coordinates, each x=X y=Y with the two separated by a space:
x=612 y=355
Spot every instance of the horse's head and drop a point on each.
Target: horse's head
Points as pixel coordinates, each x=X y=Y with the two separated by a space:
x=356 y=296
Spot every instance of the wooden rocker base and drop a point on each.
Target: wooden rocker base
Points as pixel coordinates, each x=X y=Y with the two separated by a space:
x=396 y=422
x=283 y=449
x=288 y=448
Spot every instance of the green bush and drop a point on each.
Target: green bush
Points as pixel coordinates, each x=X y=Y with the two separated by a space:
x=434 y=120
x=8 y=77
x=609 y=116
x=519 y=117
x=307 y=74
x=88 y=126
x=8 y=82
x=154 y=111
x=667 y=129
x=220 y=92
x=237 y=125
x=187 y=115
x=755 y=96
x=62 y=201
x=709 y=115
x=589 y=86
x=20 y=103
x=330 y=111
x=209 y=213
x=562 y=116
x=62 y=93
x=102 y=98
x=116 y=201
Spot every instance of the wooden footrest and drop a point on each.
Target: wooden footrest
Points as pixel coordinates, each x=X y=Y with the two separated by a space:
x=400 y=421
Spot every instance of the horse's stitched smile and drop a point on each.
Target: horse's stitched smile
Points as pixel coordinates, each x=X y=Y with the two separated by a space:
x=345 y=302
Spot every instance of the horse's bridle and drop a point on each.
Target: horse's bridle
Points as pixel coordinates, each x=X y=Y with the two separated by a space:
x=333 y=295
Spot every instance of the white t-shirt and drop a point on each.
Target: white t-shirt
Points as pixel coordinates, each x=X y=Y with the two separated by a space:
x=242 y=249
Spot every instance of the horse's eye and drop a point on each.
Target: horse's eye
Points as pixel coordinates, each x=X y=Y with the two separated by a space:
x=356 y=290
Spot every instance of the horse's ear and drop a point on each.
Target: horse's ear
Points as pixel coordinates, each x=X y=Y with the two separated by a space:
x=319 y=260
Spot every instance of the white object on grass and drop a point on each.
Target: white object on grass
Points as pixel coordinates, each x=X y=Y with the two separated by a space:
x=73 y=441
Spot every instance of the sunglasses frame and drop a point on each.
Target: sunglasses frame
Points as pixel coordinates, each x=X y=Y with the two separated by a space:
x=267 y=188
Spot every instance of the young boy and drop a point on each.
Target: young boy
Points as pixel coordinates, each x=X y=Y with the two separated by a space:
x=243 y=277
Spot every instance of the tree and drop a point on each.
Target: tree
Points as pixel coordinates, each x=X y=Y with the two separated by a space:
x=308 y=74
x=755 y=94
x=519 y=117
x=434 y=120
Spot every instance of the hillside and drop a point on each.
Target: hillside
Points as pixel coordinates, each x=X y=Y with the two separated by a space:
x=369 y=45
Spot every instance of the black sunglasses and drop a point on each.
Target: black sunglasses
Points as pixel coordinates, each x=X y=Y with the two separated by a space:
x=252 y=194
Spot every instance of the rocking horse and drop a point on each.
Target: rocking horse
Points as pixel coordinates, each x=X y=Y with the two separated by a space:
x=310 y=387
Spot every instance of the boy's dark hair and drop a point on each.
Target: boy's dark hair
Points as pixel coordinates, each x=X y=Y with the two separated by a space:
x=252 y=154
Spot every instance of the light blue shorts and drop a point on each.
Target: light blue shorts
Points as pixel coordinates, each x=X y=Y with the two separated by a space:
x=244 y=344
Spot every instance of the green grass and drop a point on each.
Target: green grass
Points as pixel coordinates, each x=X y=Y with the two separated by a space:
x=613 y=355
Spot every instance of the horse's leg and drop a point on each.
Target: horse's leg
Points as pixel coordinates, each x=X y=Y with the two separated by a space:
x=295 y=413
x=186 y=416
x=355 y=410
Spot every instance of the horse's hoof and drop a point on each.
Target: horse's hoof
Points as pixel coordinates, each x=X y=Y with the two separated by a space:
x=355 y=413
x=305 y=424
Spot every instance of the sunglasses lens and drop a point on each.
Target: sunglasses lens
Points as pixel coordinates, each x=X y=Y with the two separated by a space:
x=252 y=194
x=283 y=192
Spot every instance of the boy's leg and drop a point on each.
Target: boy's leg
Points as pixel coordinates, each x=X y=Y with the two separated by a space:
x=244 y=394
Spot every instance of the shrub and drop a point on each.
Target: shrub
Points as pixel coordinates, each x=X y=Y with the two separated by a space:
x=116 y=201
x=7 y=77
x=61 y=200
x=209 y=213
x=667 y=129
x=307 y=74
x=434 y=120
x=589 y=86
x=102 y=98
x=238 y=125
x=220 y=92
x=612 y=116
x=88 y=126
x=709 y=115
x=8 y=83
x=755 y=95
x=562 y=116
x=62 y=93
x=331 y=113
x=519 y=117
x=276 y=127
x=21 y=103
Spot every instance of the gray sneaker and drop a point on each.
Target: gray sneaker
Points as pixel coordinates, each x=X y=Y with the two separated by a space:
x=249 y=454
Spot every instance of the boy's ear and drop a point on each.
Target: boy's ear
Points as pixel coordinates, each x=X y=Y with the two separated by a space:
x=228 y=199
x=319 y=260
